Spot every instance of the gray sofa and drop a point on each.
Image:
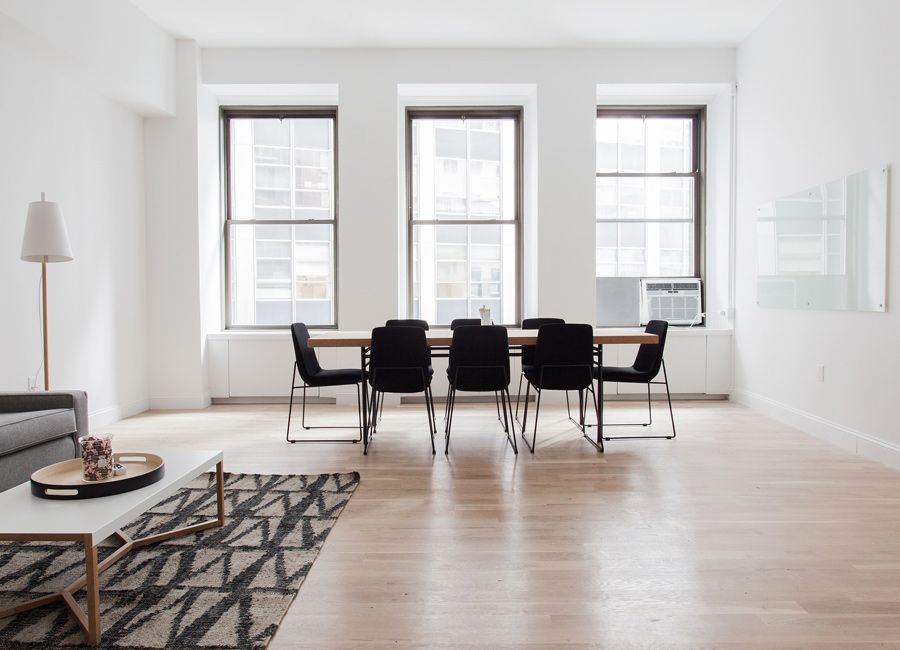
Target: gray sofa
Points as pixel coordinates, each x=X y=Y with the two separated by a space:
x=38 y=429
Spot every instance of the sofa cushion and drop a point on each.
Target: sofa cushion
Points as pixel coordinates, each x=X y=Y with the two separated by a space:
x=24 y=430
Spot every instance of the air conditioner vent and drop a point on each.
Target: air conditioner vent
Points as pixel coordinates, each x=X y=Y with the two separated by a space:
x=676 y=301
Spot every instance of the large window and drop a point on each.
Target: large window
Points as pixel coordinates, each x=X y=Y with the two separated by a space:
x=464 y=181
x=649 y=192
x=280 y=217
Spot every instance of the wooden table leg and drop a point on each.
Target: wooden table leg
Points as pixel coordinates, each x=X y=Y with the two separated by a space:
x=220 y=492
x=93 y=591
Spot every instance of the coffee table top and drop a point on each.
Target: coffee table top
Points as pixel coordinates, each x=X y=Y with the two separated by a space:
x=23 y=514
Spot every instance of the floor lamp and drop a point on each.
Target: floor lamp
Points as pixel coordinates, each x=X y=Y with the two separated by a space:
x=46 y=240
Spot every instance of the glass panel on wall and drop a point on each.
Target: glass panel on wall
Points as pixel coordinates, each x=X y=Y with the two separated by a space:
x=465 y=171
x=280 y=169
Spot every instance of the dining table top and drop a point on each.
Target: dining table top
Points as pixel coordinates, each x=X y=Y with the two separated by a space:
x=444 y=337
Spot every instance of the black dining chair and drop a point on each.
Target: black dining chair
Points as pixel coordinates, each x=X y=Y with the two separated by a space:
x=401 y=322
x=407 y=322
x=400 y=362
x=479 y=362
x=647 y=364
x=528 y=350
x=563 y=360
x=313 y=375
x=460 y=322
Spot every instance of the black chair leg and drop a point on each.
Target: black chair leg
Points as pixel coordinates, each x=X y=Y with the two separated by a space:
x=599 y=443
x=668 y=397
x=309 y=427
x=665 y=382
x=509 y=421
x=448 y=420
x=518 y=393
x=537 y=410
x=291 y=403
x=432 y=424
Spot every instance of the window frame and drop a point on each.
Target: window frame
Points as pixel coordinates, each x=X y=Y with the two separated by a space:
x=226 y=114
x=485 y=112
x=698 y=134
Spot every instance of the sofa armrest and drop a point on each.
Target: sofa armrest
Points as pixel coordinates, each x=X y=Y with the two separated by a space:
x=45 y=400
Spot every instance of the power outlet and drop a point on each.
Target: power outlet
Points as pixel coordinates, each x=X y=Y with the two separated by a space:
x=820 y=373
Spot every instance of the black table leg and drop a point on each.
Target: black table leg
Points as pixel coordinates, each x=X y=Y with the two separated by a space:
x=365 y=400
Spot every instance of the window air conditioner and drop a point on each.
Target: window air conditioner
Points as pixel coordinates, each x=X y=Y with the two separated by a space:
x=676 y=300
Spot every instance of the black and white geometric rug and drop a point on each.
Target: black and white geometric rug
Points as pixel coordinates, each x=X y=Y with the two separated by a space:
x=222 y=588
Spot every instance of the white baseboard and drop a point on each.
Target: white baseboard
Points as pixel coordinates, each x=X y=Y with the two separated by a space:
x=118 y=412
x=180 y=402
x=859 y=443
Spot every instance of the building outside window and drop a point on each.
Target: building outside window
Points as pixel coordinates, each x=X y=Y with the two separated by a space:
x=281 y=217
x=464 y=181
x=649 y=189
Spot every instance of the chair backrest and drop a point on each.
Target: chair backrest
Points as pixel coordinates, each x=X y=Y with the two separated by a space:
x=650 y=355
x=307 y=363
x=564 y=356
x=407 y=322
x=535 y=324
x=479 y=358
x=459 y=322
x=399 y=359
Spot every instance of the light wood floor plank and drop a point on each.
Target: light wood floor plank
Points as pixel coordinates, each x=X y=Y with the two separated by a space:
x=741 y=533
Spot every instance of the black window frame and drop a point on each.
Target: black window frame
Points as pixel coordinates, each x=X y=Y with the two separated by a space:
x=698 y=168
x=485 y=112
x=226 y=114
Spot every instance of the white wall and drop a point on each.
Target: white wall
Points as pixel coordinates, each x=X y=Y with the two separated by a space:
x=109 y=46
x=183 y=240
x=87 y=154
x=559 y=208
x=140 y=301
x=817 y=100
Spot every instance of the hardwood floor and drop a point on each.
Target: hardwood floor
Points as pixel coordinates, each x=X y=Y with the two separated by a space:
x=740 y=533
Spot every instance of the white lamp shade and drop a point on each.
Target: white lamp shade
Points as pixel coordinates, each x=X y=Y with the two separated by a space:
x=46 y=237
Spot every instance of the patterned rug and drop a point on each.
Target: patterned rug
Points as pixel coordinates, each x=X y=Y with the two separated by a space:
x=219 y=589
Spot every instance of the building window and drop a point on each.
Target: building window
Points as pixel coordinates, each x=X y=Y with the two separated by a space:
x=281 y=217
x=464 y=178
x=649 y=191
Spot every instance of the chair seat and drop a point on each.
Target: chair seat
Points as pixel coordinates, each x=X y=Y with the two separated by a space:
x=624 y=375
x=335 y=377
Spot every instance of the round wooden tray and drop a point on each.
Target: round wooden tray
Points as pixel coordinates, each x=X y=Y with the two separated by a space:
x=65 y=480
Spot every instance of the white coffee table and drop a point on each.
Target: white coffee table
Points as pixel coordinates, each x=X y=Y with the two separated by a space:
x=26 y=517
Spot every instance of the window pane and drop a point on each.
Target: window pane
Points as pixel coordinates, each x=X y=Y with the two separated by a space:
x=269 y=157
x=653 y=144
x=459 y=269
x=463 y=169
x=281 y=274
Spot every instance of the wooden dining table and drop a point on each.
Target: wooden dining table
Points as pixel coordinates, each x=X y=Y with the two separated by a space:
x=441 y=340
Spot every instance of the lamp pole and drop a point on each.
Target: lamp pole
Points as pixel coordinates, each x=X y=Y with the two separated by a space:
x=46 y=336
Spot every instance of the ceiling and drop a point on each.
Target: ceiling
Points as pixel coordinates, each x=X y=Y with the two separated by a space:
x=460 y=23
